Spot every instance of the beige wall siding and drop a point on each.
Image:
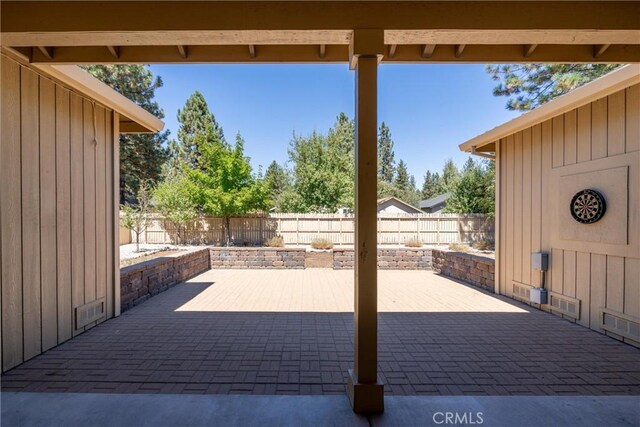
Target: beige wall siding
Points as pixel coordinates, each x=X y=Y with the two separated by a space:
x=602 y=135
x=56 y=215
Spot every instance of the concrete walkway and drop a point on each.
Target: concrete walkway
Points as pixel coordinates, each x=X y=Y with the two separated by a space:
x=268 y=332
x=96 y=410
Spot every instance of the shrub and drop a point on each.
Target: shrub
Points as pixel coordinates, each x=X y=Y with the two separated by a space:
x=459 y=247
x=483 y=245
x=413 y=242
x=321 y=243
x=275 y=242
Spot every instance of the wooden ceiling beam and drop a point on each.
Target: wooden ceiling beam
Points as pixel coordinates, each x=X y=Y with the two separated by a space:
x=58 y=17
x=323 y=51
x=252 y=51
x=459 y=49
x=337 y=53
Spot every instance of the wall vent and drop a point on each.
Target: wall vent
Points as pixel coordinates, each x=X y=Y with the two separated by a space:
x=522 y=291
x=565 y=305
x=621 y=324
x=90 y=312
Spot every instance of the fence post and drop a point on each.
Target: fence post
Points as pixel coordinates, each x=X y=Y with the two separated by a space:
x=438 y=229
x=297 y=230
x=418 y=229
x=340 y=233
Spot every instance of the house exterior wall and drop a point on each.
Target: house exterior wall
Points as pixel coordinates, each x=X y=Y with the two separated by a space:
x=56 y=212
x=390 y=206
x=594 y=275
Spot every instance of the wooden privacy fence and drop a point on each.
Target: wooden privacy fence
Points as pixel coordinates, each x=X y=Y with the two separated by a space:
x=301 y=229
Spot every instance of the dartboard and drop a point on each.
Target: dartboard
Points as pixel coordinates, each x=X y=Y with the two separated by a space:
x=588 y=206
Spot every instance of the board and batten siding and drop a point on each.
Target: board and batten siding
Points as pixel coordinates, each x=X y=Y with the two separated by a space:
x=57 y=211
x=595 y=145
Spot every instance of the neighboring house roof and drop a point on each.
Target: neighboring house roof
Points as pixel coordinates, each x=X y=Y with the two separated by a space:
x=133 y=118
x=395 y=199
x=614 y=81
x=434 y=201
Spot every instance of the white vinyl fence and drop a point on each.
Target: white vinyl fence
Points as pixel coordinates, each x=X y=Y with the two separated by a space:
x=301 y=229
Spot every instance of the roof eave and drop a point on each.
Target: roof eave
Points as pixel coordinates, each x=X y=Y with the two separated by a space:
x=616 y=80
x=134 y=119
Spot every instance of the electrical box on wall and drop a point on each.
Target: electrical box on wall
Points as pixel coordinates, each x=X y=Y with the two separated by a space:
x=540 y=261
x=538 y=295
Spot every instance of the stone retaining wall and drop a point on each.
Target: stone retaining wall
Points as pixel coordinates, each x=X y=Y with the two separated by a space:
x=257 y=257
x=139 y=282
x=388 y=259
x=473 y=269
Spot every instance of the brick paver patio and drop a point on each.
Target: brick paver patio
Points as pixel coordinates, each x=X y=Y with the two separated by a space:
x=290 y=332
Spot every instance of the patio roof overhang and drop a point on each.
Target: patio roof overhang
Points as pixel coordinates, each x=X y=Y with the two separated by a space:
x=74 y=32
x=363 y=33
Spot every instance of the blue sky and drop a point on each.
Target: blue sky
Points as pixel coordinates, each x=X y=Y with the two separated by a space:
x=430 y=109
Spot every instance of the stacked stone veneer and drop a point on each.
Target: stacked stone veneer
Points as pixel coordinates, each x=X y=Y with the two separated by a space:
x=257 y=257
x=139 y=282
x=388 y=259
x=473 y=269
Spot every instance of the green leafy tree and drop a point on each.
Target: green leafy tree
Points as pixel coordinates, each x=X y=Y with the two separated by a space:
x=386 y=155
x=322 y=170
x=175 y=198
x=141 y=155
x=531 y=85
x=431 y=186
x=224 y=184
x=136 y=218
x=195 y=119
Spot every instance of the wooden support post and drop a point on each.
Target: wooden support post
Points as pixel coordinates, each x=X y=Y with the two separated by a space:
x=364 y=388
x=116 y=215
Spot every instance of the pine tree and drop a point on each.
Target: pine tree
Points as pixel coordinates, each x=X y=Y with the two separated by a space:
x=195 y=119
x=431 y=186
x=141 y=155
x=276 y=180
x=474 y=191
x=386 y=155
x=468 y=166
x=402 y=181
x=531 y=85
x=450 y=176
